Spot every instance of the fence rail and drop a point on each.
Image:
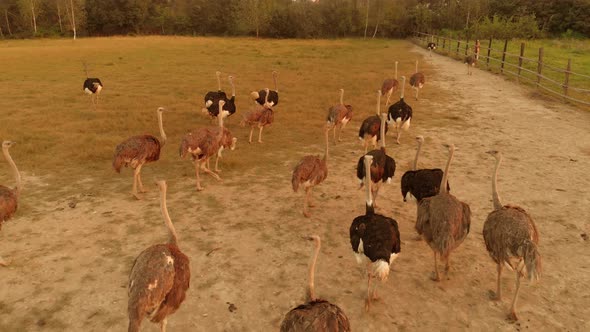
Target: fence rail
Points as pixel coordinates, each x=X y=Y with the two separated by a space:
x=562 y=82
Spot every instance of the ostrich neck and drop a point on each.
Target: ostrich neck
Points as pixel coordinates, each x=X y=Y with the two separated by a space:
x=161 y=125
x=14 y=170
x=443 y=183
x=379 y=104
x=382 y=129
x=368 y=193
x=395 y=75
x=417 y=154
x=416 y=66
x=266 y=97
x=172 y=238
x=220 y=116
x=233 y=88
x=218 y=83
x=403 y=87
x=274 y=78
x=342 y=97
x=326 y=138
x=495 y=196
x=312 y=269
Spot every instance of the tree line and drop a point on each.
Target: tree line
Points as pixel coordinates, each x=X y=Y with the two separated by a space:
x=295 y=18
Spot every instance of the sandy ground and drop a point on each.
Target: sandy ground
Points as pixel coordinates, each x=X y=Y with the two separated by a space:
x=69 y=265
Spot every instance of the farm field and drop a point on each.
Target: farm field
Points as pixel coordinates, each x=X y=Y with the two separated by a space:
x=69 y=266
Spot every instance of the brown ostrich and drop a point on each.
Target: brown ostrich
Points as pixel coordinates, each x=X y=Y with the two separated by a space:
x=417 y=80
x=370 y=131
x=228 y=141
x=316 y=315
x=261 y=116
x=470 y=61
x=159 y=278
x=339 y=115
x=310 y=172
x=389 y=86
x=511 y=238
x=9 y=197
x=137 y=151
x=202 y=144
x=443 y=221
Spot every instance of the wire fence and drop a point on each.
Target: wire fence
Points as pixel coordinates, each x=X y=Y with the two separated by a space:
x=561 y=82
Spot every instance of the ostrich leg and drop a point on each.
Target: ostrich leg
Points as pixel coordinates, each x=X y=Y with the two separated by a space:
x=197 y=168
x=512 y=314
x=141 y=189
x=163 y=325
x=310 y=199
x=435 y=276
x=260 y=133
x=368 y=299
x=498 y=295
x=251 y=130
x=305 y=203
x=135 y=181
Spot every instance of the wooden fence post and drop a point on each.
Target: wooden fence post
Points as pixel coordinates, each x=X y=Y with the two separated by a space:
x=520 y=59
x=443 y=45
x=437 y=41
x=504 y=56
x=489 y=51
x=566 y=83
x=458 y=44
x=540 y=66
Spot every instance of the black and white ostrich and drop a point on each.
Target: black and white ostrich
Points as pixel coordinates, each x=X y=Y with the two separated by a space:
x=213 y=97
x=93 y=87
x=470 y=61
x=417 y=184
x=382 y=168
x=273 y=95
x=370 y=128
x=375 y=240
x=229 y=107
x=431 y=46
x=400 y=113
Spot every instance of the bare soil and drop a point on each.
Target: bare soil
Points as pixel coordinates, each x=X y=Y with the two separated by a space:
x=72 y=249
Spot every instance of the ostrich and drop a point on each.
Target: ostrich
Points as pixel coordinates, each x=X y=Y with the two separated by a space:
x=417 y=184
x=273 y=96
x=470 y=61
x=417 y=80
x=230 y=103
x=510 y=234
x=9 y=197
x=261 y=115
x=389 y=86
x=400 y=113
x=159 y=278
x=339 y=115
x=382 y=168
x=370 y=128
x=202 y=145
x=212 y=96
x=228 y=141
x=376 y=238
x=137 y=151
x=93 y=87
x=431 y=46
x=310 y=172
x=443 y=221
x=317 y=314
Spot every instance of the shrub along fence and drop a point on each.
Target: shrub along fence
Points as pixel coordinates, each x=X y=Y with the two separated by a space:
x=562 y=82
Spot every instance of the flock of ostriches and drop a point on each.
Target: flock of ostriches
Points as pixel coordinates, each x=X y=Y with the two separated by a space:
x=160 y=276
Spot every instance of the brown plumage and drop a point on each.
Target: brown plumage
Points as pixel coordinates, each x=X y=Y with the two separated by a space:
x=138 y=150
x=9 y=197
x=159 y=278
x=443 y=221
x=511 y=238
x=338 y=116
x=309 y=172
x=316 y=315
x=417 y=80
x=470 y=61
x=202 y=144
x=370 y=130
x=261 y=116
x=389 y=86
x=228 y=141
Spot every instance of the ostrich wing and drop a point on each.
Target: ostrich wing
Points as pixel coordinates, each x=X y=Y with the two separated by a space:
x=423 y=219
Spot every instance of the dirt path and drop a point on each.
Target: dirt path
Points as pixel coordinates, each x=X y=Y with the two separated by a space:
x=70 y=265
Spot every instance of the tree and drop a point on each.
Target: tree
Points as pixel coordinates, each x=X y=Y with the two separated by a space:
x=252 y=15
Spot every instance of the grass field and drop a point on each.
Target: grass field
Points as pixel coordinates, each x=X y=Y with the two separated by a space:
x=77 y=231
x=556 y=53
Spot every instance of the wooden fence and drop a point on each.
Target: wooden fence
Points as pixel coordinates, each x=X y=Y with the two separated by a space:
x=562 y=82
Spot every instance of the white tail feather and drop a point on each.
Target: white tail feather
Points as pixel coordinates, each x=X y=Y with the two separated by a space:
x=380 y=270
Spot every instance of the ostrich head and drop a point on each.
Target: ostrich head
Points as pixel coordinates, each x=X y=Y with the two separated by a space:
x=420 y=138
x=451 y=146
x=254 y=95
x=494 y=153
x=7 y=144
x=161 y=109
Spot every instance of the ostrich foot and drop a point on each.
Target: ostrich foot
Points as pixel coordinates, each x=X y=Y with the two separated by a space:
x=307 y=214
x=512 y=316
x=434 y=276
x=397 y=141
x=311 y=204
x=143 y=191
x=136 y=195
x=259 y=141
x=217 y=170
x=3 y=262
x=199 y=188
x=494 y=296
